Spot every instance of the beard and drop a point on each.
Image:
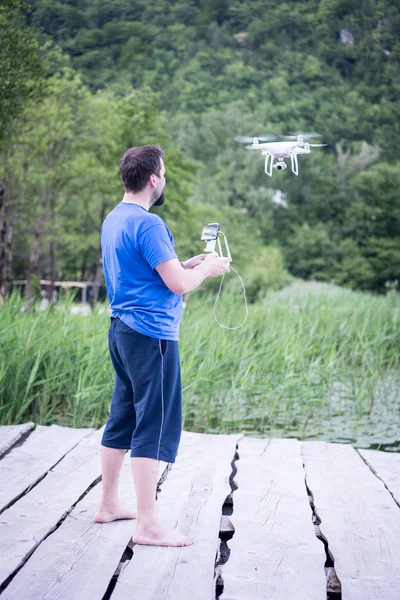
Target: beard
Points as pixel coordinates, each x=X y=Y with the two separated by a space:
x=160 y=200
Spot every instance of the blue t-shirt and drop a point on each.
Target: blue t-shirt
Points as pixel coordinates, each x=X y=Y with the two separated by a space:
x=133 y=243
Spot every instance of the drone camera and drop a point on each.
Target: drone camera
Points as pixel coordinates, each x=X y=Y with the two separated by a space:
x=280 y=166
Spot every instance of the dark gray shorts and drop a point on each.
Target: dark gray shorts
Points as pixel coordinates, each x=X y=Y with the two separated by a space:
x=146 y=407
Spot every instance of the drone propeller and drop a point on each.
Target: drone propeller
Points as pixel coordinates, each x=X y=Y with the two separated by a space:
x=317 y=145
x=250 y=148
x=304 y=134
x=245 y=139
x=268 y=137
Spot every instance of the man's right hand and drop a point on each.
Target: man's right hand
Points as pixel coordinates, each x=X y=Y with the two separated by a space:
x=216 y=265
x=181 y=281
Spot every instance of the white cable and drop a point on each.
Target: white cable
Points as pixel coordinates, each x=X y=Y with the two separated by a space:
x=245 y=301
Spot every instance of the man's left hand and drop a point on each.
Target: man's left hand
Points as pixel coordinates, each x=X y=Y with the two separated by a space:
x=193 y=262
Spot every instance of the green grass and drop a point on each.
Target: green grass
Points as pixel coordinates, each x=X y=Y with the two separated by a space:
x=312 y=361
x=54 y=365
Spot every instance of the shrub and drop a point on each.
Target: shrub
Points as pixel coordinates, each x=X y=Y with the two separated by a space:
x=265 y=272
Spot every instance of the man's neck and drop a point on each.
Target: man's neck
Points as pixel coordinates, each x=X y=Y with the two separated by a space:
x=140 y=198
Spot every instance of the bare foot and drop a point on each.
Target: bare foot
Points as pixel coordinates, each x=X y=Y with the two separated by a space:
x=113 y=513
x=157 y=535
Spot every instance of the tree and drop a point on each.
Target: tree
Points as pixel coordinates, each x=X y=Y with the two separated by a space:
x=48 y=139
x=21 y=66
x=22 y=74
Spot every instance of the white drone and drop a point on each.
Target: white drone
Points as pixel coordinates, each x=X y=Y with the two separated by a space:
x=281 y=150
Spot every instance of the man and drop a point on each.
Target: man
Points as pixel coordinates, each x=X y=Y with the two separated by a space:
x=145 y=282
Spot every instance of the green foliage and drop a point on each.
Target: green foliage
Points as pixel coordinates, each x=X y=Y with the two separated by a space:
x=191 y=76
x=353 y=269
x=202 y=55
x=20 y=64
x=265 y=272
x=310 y=250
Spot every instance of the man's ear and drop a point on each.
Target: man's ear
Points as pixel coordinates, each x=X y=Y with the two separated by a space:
x=153 y=181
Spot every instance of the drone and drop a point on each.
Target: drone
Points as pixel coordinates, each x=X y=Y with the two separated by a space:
x=272 y=150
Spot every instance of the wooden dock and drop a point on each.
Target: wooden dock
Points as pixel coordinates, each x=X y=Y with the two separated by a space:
x=272 y=519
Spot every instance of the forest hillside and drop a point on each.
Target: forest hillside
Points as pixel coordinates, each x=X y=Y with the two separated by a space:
x=192 y=75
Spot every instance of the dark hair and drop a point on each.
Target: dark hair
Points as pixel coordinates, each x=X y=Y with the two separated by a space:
x=136 y=166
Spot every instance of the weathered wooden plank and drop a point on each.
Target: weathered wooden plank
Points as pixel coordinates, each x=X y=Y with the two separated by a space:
x=274 y=551
x=25 y=524
x=27 y=464
x=80 y=557
x=191 y=499
x=359 y=518
x=11 y=434
x=387 y=467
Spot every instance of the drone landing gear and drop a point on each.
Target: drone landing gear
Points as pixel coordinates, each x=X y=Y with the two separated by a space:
x=269 y=164
x=294 y=163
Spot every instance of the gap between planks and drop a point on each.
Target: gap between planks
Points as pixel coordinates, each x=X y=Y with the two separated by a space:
x=11 y=434
x=36 y=515
x=359 y=518
x=274 y=552
x=80 y=557
x=26 y=465
x=196 y=488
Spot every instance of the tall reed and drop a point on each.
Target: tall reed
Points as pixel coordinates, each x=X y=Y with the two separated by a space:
x=311 y=360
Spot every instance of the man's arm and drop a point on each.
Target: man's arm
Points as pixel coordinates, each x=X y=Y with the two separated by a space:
x=180 y=280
